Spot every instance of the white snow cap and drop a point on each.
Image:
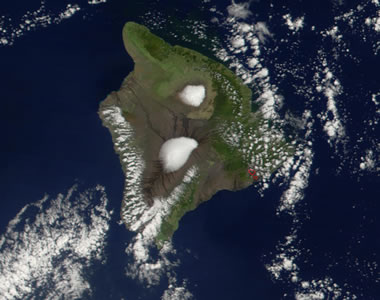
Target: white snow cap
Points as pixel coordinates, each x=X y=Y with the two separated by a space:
x=193 y=95
x=175 y=152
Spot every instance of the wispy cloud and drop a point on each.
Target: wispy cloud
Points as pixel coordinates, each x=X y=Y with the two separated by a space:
x=49 y=244
x=239 y=10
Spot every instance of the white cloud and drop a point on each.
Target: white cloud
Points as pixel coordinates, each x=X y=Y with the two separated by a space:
x=11 y=29
x=374 y=22
x=284 y=267
x=252 y=62
x=300 y=180
x=144 y=267
x=139 y=217
x=95 y=2
x=262 y=31
x=193 y=95
x=69 y=11
x=239 y=10
x=369 y=161
x=250 y=66
x=132 y=161
x=175 y=152
x=175 y=292
x=49 y=244
x=238 y=42
x=295 y=24
x=331 y=88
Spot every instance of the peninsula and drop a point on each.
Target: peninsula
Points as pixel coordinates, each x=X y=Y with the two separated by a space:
x=184 y=129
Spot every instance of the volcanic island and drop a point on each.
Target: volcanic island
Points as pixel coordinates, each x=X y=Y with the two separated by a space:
x=184 y=128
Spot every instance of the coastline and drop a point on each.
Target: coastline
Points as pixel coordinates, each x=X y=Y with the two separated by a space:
x=145 y=112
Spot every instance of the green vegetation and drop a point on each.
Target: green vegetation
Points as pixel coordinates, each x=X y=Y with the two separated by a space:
x=181 y=65
x=172 y=66
x=234 y=161
x=165 y=69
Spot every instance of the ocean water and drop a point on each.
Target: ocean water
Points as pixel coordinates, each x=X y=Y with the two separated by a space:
x=226 y=239
x=52 y=81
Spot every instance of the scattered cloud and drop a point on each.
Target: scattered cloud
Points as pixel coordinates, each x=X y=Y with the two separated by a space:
x=175 y=292
x=294 y=24
x=330 y=87
x=11 y=29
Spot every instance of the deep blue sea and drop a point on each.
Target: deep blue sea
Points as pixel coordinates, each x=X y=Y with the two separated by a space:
x=52 y=81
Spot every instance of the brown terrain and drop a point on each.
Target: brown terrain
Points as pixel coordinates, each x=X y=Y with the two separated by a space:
x=156 y=121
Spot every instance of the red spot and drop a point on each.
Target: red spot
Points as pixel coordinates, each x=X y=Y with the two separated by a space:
x=252 y=172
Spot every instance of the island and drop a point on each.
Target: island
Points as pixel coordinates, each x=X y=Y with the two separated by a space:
x=184 y=127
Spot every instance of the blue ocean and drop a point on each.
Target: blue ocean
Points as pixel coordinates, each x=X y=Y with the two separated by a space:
x=53 y=79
